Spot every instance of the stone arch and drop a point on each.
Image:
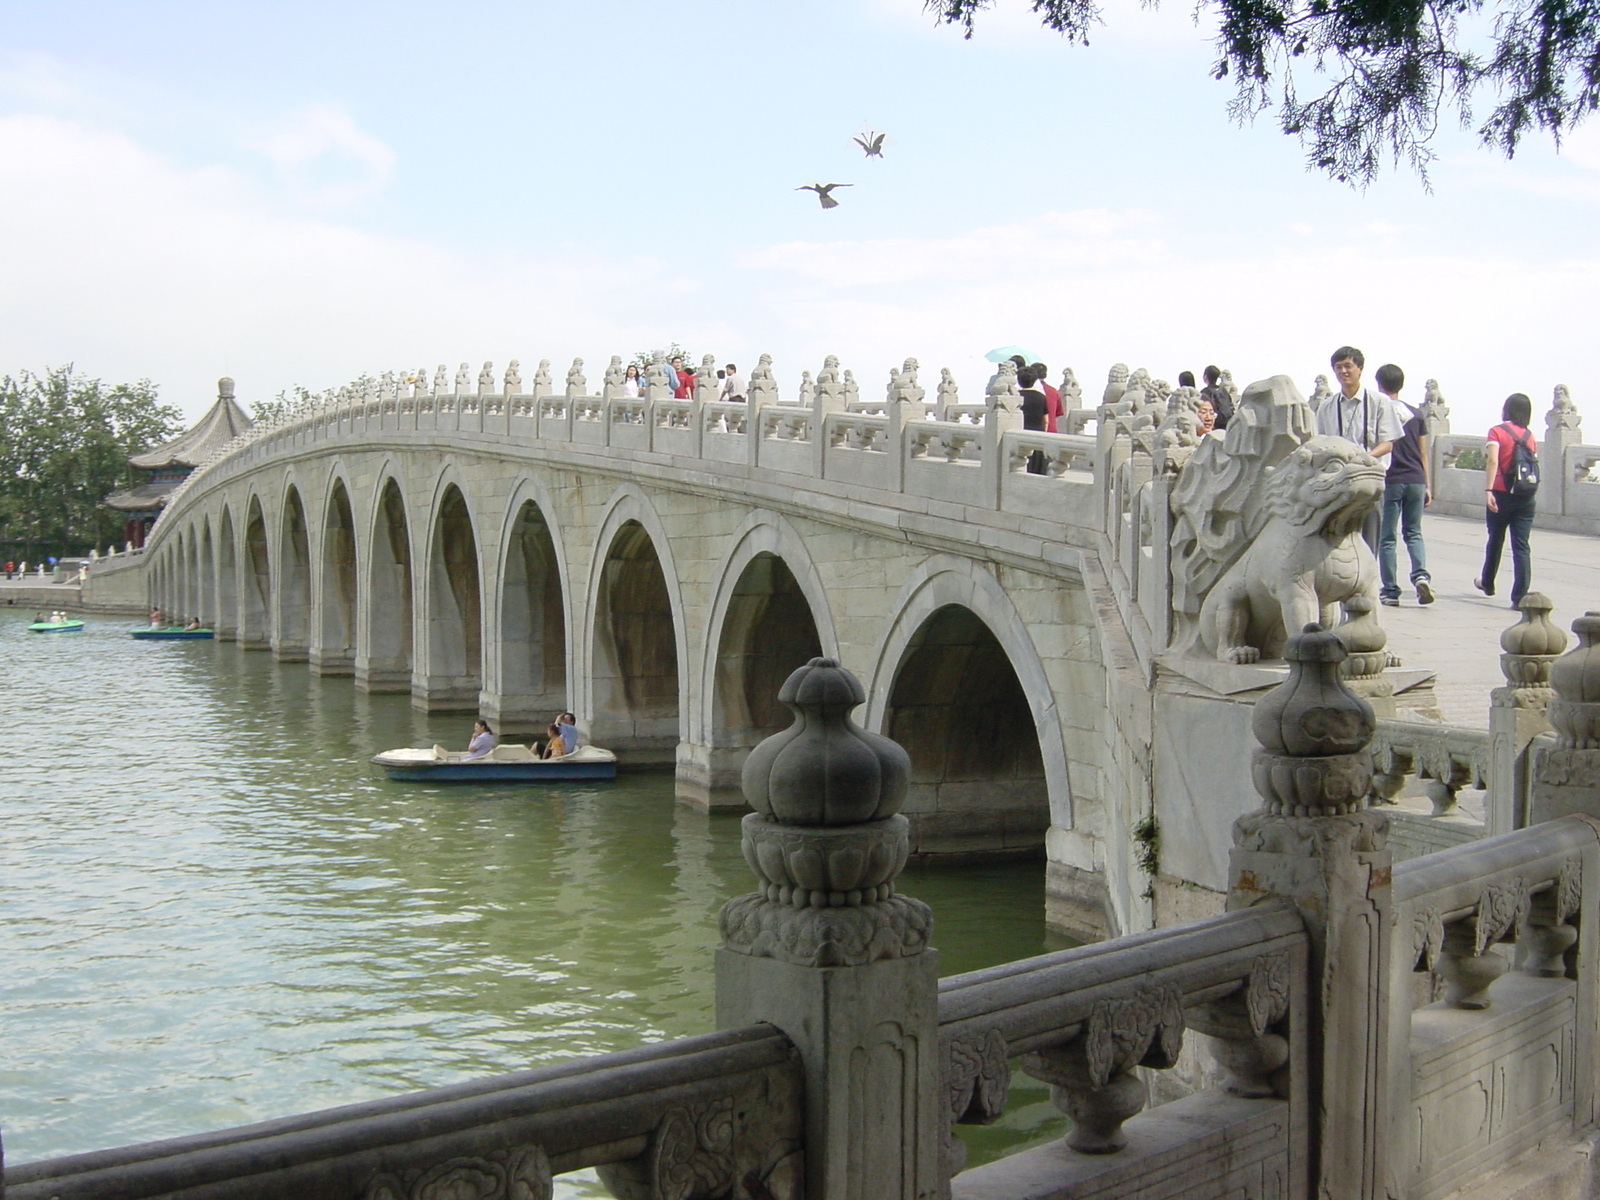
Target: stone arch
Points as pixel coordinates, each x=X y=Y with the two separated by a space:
x=292 y=636
x=333 y=650
x=636 y=685
x=256 y=585
x=960 y=684
x=770 y=614
x=227 y=577
x=452 y=653
x=384 y=663
x=531 y=674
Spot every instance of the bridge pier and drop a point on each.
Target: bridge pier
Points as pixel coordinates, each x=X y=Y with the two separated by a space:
x=709 y=776
x=376 y=677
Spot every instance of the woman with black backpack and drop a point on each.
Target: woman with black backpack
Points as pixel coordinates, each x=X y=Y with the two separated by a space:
x=1510 y=480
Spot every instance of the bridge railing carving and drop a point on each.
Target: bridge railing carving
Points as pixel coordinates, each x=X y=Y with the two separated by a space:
x=848 y=444
x=1084 y=1020
x=694 y=1117
x=1523 y=1041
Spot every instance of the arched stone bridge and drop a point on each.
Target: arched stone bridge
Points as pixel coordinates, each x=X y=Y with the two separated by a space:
x=659 y=566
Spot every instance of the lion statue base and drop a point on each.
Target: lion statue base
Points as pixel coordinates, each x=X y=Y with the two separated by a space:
x=1308 y=558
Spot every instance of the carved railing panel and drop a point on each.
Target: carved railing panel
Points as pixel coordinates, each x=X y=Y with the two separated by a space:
x=1084 y=1020
x=686 y=1120
x=1501 y=936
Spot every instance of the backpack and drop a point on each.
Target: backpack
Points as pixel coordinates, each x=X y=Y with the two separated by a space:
x=1522 y=472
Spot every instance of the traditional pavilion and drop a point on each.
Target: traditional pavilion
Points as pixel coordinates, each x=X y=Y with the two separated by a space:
x=169 y=464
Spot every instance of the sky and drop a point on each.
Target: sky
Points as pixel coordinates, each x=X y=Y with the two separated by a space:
x=299 y=193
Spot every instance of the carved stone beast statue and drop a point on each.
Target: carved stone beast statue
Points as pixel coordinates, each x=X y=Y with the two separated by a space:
x=1308 y=558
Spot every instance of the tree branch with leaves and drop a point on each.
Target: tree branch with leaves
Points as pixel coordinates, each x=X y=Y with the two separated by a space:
x=1358 y=81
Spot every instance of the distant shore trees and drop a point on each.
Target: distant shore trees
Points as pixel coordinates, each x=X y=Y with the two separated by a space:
x=64 y=446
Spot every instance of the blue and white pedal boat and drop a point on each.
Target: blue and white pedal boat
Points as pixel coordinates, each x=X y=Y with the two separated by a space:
x=503 y=764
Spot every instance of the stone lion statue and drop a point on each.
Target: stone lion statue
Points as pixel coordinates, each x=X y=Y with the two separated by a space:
x=1308 y=558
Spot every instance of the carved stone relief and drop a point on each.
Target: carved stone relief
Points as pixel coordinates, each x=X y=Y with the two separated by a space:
x=522 y=1174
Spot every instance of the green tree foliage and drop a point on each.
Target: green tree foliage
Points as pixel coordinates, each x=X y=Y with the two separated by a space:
x=1356 y=80
x=64 y=445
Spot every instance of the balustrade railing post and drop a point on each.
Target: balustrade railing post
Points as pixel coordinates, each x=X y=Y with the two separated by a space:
x=1517 y=711
x=1566 y=776
x=830 y=954
x=1315 y=843
x=1002 y=414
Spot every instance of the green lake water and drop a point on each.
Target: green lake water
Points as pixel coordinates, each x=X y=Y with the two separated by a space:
x=215 y=911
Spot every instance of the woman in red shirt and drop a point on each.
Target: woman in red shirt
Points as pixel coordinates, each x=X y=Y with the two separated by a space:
x=1502 y=508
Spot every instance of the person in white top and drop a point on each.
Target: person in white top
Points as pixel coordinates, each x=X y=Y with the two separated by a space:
x=632 y=383
x=483 y=741
x=733 y=388
x=1357 y=415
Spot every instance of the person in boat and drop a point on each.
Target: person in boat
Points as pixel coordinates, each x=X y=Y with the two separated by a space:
x=155 y=618
x=555 y=747
x=40 y=619
x=567 y=724
x=483 y=741
x=194 y=623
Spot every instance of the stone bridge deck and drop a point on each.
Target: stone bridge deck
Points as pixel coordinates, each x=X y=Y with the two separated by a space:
x=1457 y=636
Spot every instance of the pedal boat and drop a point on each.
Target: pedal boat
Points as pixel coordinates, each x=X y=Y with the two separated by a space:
x=503 y=764
x=170 y=633
x=56 y=627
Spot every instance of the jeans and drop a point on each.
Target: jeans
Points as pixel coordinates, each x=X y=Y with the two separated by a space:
x=1516 y=514
x=1402 y=510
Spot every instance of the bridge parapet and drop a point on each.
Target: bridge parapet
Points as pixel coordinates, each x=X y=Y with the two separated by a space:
x=870 y=445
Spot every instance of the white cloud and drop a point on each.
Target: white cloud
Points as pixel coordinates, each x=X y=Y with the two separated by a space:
x=327 y=158
x=133 y=266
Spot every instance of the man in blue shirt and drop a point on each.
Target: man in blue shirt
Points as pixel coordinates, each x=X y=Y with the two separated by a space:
x=1407 y=490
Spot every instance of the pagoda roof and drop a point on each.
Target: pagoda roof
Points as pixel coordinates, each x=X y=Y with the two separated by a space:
x=149 y=496
x=222 y=423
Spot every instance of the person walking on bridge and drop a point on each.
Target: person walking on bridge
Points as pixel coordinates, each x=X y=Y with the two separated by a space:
x=1508 y=503
x=1407 y=490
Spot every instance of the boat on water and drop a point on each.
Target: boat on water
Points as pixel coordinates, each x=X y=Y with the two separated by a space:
x=502 y=764
x=170 y=633
x=67 y=626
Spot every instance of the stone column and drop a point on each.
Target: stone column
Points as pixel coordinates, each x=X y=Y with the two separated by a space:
x=830 y=954
x=1517 y=711
x=1315 y=843
x=1566 y=776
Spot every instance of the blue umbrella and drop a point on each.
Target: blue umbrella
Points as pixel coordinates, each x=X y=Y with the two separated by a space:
x=1001 y=353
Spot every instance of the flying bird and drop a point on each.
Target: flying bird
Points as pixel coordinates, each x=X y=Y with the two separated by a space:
x=871 y=142
x=822 y=190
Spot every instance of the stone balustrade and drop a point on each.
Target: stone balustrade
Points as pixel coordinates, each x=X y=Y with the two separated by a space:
x=1083 y=1020
x=693 y=1117
x=862 y=445
x=1487 y=1064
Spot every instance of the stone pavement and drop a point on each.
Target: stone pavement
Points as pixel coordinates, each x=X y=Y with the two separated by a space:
x=1458 y=636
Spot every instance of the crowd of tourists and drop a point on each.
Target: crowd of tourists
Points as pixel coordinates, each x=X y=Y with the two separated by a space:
x=1388 y=428
x=730 y=384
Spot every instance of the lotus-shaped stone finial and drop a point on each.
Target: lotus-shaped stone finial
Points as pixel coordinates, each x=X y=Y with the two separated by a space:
x=825 y=769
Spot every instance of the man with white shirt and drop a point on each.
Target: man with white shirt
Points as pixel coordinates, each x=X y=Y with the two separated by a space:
x=733 y=387
x=1360 y=416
